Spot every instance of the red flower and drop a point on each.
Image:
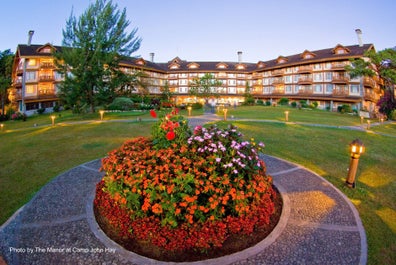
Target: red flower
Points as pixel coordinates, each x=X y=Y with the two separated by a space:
x=170 y=135
x=153 y=113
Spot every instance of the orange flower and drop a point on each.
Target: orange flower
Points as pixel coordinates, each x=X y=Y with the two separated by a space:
x=156 y=208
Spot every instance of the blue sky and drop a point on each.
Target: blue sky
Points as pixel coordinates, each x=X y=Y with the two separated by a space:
x=214 y=30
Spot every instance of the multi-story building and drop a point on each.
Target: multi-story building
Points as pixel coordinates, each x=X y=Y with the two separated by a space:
x=311 y=75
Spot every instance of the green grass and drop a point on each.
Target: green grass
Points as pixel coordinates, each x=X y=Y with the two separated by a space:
x=295 y=115
x=31 y=156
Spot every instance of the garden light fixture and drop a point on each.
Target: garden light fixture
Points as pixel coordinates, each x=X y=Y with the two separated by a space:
x=2 y=126
x=101 y=112
x=189 y=110
x=356 y=149
x=286 y=116
x=225 y=113
x=53 y=119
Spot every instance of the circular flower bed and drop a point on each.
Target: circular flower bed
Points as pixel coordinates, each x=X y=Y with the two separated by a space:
x=183 y=191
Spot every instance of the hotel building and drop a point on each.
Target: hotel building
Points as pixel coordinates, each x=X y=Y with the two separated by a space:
x=318 y=76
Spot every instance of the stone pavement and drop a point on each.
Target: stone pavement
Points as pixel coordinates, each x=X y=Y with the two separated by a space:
x=318 y=225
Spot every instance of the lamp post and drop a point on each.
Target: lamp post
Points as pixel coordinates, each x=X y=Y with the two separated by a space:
x=53 y=119
x=286 y=116
x=101 y=112
x=368 y=125
x=225 y=113
x=189 y=110
x=2 y=126
x=361 y=119
x=356 y=149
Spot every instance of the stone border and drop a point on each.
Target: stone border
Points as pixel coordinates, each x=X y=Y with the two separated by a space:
x=238 y=256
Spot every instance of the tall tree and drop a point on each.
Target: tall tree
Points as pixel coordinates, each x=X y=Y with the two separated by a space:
x=205 y=86
x=6 y=58
x=93 y=46
x=380 y=65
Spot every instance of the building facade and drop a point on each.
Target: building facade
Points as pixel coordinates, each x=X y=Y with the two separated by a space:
x=318 y=76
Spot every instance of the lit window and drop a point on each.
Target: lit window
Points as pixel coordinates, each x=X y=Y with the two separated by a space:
x=32 y=62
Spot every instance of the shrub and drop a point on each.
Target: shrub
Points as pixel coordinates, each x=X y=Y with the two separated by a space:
x=190 y=195
x=40 y=110
x=284 y=101
x=344 y=108
x=314 y=105
x=294 y=104
x=18 y=116
x=268 y=103
x=121 y=103
x=196 y=105
x=303 y=104
x=260 y=102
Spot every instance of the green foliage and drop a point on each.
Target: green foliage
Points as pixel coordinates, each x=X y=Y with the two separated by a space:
x=205 y=86
x=260 y=102
x=196 y=105
x=284 y=101
x=121 y=103
x=268 y=103
x=6 y=59
x=94 y=44
x=344 y=108
x=40 y=110
x=170 y=129
x=293 y=104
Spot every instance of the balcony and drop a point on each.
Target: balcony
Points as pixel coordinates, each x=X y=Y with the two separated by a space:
x=340 y=92
x=19 y=72
x=257 y=75
x=370 y=97
x=18 y=83
x=338 y=66
x=369 y=82
x=47 y=65
x=305 y=91
x=305 y=69
x=46 y=78
x=305 y=80
x=278 y=81
x=277 y=72
x=340 y=80
x=279 y=91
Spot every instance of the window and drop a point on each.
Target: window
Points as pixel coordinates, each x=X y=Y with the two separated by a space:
x=288 y=79
x=328 y=76
x=30 y=76
x=317 y=66
x=318 y=77
x=31 y=89
x=354 y=89
x=288 y=89
x=231 y=90
x=328 y=66
x=318 y=88
x=32 y=62
x=329 y=88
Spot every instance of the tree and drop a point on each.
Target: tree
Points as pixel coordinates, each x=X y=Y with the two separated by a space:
x=6 y=59
x=249 y=100
x=381 y=66
x=93 y=46
x=205 y=86
x=166 y=92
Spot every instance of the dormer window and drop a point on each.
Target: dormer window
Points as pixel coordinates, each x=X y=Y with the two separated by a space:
x=339 y=49
x=221 y=66
x=260 y=64
x=307 y=55
x=281 y=59
x=193 y=66
x=140 y=61
x=174 y=66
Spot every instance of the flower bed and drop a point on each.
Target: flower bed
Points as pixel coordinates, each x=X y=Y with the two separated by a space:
x=184 y=192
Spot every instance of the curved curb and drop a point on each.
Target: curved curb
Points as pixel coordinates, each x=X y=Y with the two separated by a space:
x=232 y=258
x=359 y=224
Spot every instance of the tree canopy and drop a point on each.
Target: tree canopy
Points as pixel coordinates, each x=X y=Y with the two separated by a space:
x=381 y=66
x=205 y=86
x=93 y=46
x=6 y=58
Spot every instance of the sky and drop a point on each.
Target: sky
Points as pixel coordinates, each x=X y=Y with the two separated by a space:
x=215 y=30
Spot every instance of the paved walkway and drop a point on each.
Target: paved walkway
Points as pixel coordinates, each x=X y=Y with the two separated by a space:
x=319 y=225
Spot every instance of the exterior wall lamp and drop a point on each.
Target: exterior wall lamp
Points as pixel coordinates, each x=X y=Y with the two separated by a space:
x=356 y=148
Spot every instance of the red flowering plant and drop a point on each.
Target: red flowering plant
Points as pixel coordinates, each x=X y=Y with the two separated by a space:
x=185 y=191
x=171 y=128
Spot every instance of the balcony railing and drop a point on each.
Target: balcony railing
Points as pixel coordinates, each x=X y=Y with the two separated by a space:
x=277 y=72
x=338 y=66
x=278 y=80
x=370 y=97
x=340 y=80
x=305 y=69
x=278 y=92
x=305 y=91
x=305 y=80
x=18 y=83
x=340 y=92
x=46 y=78
x=47 y=65
x=368 y=82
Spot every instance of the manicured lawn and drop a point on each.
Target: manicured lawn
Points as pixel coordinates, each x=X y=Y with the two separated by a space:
x=295 y=115
x=31 y=156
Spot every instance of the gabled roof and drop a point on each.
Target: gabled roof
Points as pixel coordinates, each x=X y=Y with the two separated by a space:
x=24 y=50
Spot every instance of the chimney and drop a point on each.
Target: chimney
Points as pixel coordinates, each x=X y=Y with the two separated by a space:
x=30 y=34
x=359 y=35
x=152 y=57
x=239 y=57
